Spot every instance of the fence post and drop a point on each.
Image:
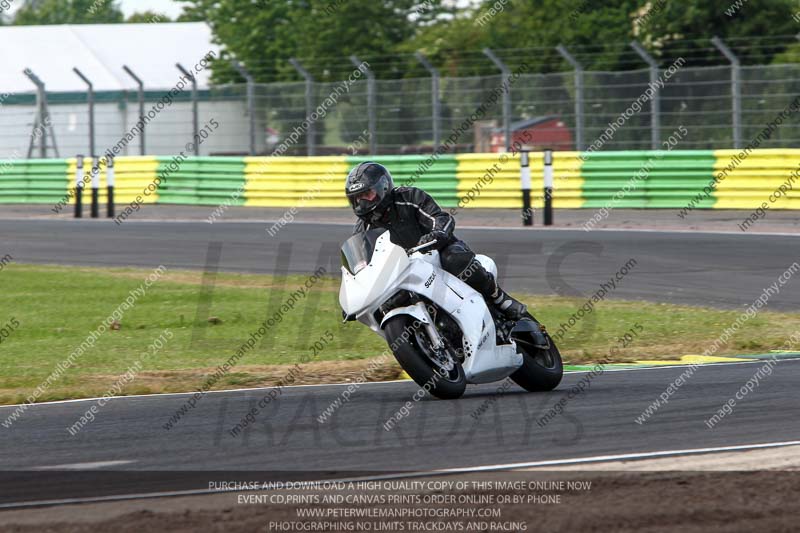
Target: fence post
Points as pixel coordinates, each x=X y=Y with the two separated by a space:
x=506 y=95
x=371 y=110
x=548 y=187
x=42 y=122
x=579 y=145
x=90 y=101
x=311 y=134
x=436 y=103
x=655 y=102
x=251 y=101
x=140 y=85
x=736 y=89
x=195 y=111
x=38 y=119
x=525 y=185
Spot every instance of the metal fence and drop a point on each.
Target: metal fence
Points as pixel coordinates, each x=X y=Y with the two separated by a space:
x=401 y=116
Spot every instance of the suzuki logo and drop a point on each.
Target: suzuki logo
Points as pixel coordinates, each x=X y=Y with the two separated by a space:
x=430 y=280
x=483 y=340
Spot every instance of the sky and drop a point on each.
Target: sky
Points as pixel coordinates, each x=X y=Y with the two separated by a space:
x=173 y=8
x=170 y=8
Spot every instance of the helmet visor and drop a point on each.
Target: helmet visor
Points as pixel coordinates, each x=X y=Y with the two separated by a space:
x=365 y=201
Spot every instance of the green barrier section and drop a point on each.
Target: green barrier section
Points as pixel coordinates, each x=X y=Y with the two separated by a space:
x=642 y=179
x=202 y=181
x=621 y=179
x=437 y=176
x=33 y=181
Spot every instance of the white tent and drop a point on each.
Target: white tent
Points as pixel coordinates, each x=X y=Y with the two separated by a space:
x=151 y=51
x=100 y=51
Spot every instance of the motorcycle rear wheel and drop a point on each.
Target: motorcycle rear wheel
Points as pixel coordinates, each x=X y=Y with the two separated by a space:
x=404 y=339
x=541 y=369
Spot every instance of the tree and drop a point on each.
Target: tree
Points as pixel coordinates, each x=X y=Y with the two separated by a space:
x=684 y=29
x=322 y=33
x=69 y=12
x=194 y=12
x=150 y=17
x=597 y=32
x=5 y=18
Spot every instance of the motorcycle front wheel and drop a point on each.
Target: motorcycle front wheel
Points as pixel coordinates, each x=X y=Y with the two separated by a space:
x=412 y=348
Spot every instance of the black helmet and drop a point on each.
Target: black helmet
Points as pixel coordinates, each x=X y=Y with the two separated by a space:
x=364 y=179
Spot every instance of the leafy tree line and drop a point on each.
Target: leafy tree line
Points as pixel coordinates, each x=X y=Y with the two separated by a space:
x=43 y=12
x=264 y=34
x=323 y=34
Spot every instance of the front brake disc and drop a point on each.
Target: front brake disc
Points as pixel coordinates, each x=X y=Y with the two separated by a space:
x=441 y=360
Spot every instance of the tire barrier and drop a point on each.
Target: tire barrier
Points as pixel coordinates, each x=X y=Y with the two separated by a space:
x=35 y=181
x=721 y=179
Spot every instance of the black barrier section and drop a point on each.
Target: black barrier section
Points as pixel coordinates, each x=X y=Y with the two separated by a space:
x=110 y=185
x=548 y=187
x=79 y=187
x=525 y=184
x=95 y=190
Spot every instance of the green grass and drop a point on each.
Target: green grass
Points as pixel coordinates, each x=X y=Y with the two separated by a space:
x=57 y=307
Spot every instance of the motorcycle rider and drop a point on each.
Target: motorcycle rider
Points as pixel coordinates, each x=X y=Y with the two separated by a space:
x=414 y=218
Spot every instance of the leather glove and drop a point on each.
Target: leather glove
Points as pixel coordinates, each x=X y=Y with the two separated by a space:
x=441 y=238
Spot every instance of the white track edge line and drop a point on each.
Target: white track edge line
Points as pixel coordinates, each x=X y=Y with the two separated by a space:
x=432 y=473
x=470 y=227
x=167 y=394
x=621 y=457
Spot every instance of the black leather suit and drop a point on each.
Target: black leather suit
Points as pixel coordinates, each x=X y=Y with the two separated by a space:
x=411 y=214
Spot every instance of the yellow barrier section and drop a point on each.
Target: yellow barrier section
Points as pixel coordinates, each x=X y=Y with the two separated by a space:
x=756 y=177
x=567 y=180
x=132 y=175
x=295 y=181
x=495 y=180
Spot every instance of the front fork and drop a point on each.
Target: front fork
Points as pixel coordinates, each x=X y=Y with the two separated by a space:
x=437 y=343
x=419 y=310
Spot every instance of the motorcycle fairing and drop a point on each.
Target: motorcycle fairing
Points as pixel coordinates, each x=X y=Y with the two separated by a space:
x=390 y=271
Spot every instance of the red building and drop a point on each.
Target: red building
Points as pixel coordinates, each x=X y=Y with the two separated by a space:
x=536 y=133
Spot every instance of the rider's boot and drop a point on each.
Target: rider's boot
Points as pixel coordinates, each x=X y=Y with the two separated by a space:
x=513 y=309
x=483 y=281
x=509 y=306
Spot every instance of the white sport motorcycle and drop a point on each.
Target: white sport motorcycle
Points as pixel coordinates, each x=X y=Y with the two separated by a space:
x=439 y=328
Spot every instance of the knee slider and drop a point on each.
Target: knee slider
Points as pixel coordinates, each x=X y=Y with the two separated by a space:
x=457 y=262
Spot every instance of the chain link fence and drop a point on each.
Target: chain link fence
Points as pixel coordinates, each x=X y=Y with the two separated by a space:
x=400 y=116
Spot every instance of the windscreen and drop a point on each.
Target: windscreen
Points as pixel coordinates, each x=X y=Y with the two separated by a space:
x=357 y=250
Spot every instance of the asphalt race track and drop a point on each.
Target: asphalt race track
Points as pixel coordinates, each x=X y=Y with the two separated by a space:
x=711 y=269
x=129 y=434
